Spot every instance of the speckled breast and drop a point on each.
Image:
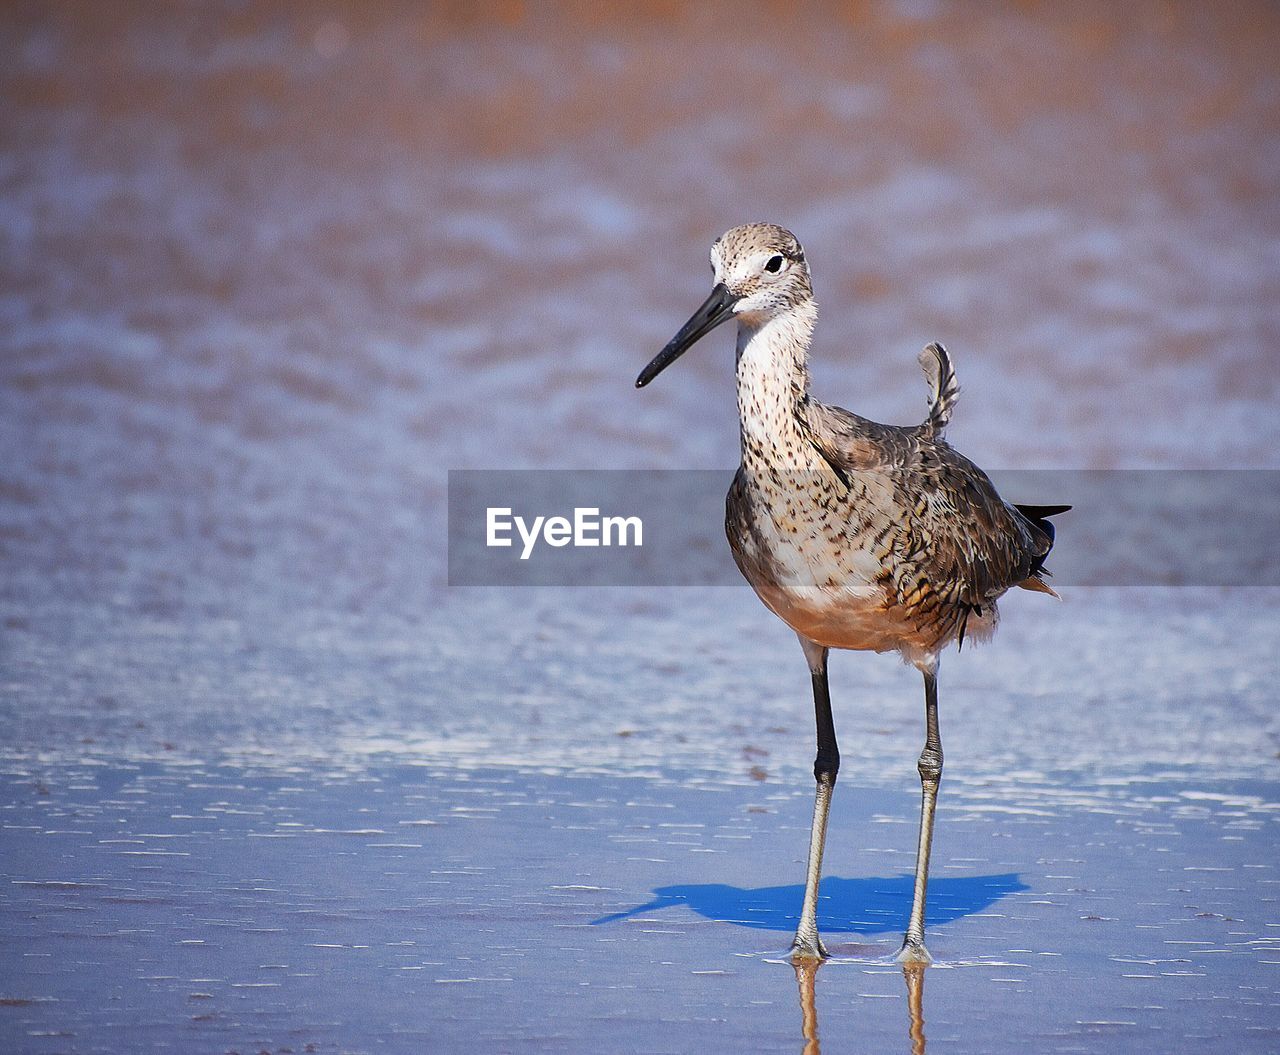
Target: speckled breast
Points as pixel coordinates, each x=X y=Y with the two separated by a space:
x=813 y=550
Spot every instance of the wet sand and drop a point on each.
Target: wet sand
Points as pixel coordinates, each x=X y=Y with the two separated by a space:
x=398 y=907
x=268 y=273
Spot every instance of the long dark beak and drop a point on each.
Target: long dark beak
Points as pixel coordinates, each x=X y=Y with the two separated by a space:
x=716 y=309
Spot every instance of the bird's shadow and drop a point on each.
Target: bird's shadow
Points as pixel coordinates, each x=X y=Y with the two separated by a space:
x=850 y=906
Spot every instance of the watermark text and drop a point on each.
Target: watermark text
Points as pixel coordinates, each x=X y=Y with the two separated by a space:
x=586 y=528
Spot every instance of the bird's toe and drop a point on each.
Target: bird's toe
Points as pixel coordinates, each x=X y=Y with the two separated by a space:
x=913 y=951
x=808 y=949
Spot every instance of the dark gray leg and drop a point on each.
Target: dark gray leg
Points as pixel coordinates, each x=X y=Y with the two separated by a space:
x=807 y=944
x=930 y=766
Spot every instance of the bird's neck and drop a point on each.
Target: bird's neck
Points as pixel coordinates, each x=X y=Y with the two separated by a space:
x=773 y=386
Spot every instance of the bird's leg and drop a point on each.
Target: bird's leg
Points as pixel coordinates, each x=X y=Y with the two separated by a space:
x=930 y=766
x=807 y=944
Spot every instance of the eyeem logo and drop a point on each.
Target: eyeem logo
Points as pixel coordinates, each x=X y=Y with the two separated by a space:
x=587 y=528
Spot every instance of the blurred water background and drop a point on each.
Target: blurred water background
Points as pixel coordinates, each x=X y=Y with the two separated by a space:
x=269 y=271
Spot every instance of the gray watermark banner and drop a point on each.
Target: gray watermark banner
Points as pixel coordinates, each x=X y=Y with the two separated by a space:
x=666 y=527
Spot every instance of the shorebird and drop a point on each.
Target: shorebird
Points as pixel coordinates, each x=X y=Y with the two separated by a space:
x=857 y=535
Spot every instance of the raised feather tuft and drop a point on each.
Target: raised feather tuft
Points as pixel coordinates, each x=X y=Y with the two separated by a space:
x=944 y=389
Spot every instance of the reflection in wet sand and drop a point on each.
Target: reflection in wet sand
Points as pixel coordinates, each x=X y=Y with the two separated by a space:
x=807 y=984
x=914 y=974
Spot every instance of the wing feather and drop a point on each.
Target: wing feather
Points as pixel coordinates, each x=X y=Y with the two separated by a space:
x=951 y=544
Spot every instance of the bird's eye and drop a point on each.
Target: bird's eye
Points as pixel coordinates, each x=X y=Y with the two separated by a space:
x=774 y=264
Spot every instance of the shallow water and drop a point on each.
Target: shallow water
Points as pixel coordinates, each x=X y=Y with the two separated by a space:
x=185 y=907
x=267 y=275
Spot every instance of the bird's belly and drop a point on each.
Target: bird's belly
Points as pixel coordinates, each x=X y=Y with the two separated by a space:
x=810 y=573
x=840 y=621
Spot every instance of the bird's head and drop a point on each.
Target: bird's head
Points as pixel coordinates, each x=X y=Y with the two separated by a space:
x=759 y=273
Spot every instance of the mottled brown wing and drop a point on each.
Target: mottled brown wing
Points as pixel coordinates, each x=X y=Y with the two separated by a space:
x=956 y=545
x=850 y=443
x=964 y=540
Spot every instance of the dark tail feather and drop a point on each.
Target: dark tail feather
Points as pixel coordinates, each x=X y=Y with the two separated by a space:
x=1039 y=513
x=968 y=610
x=1038 y=518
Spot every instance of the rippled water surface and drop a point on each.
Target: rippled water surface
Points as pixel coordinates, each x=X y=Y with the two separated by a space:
x=268 y=273
x=403 y=907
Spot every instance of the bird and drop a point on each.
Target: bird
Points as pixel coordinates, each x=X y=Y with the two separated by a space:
x=857 y=535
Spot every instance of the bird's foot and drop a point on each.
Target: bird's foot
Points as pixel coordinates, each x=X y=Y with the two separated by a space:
x=808 y=948
x=913 y=952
